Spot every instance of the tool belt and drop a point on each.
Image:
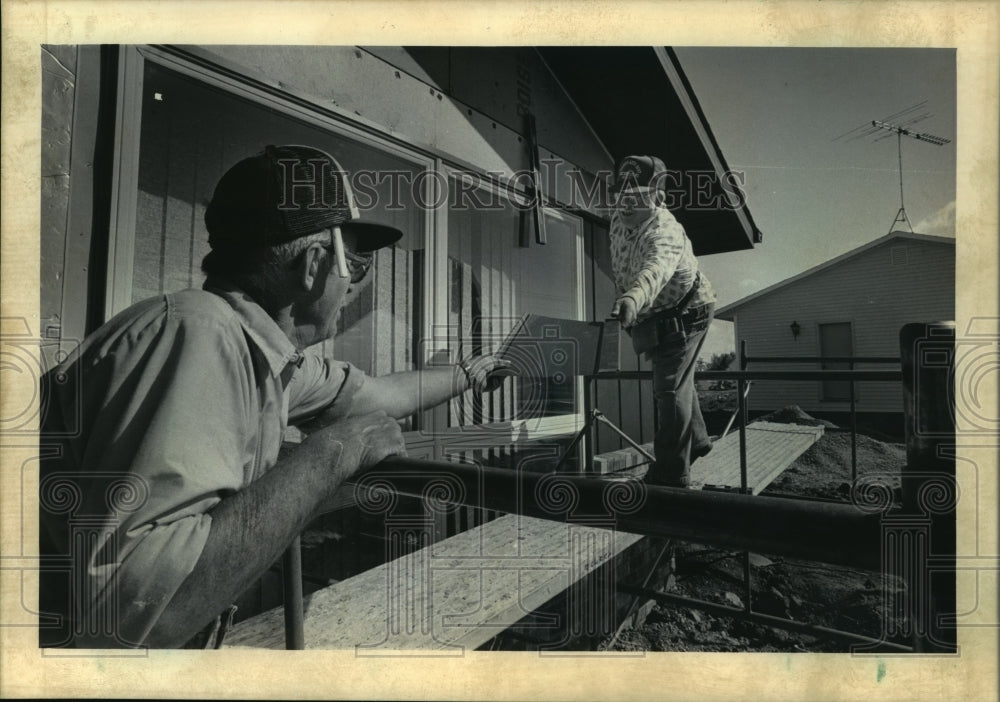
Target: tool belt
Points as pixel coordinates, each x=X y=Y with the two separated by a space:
x=647 y=334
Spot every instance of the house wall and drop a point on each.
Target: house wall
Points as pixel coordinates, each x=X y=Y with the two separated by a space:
x=468 y=103
x=478 y=123
x=465 y=106
x=878 y=291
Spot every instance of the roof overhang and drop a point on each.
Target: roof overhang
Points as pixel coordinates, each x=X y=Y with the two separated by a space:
x=638 y=101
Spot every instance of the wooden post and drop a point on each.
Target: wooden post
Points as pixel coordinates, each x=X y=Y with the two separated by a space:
x=291 y=576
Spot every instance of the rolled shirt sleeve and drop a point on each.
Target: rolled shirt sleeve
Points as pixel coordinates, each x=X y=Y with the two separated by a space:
x=321 y=384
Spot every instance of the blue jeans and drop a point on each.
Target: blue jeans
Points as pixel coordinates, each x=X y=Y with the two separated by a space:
x=680 y=433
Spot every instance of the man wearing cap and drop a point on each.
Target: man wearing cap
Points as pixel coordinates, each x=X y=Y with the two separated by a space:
x=166 y=495
x=666 y=304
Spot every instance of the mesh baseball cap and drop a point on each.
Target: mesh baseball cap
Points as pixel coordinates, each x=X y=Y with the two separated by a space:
x=283 y=193
x=640 y=173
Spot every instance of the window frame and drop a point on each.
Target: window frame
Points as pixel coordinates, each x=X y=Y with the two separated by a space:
x=440 y=168
x=125 y=177
x=522 y=428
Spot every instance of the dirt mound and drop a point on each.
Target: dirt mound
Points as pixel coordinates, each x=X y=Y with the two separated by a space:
x=793 y=414
x=824 y=470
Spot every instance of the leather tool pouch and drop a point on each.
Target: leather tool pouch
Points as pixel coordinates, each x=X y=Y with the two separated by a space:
x=644 y=335
x=655 y=332
x=650 y=333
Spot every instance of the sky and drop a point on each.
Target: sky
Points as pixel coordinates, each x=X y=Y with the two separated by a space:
x=785 y=117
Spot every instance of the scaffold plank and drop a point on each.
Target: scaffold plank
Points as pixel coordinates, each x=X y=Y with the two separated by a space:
x=771 y=448
x=451 y=596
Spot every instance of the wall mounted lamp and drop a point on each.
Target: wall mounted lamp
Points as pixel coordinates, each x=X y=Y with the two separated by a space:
x=795 y=330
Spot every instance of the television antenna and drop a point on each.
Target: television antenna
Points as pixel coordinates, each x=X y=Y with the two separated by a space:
x=900 y=132
x=902 y=120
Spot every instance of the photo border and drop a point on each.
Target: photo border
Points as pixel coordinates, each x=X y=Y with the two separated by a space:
x=972 y=28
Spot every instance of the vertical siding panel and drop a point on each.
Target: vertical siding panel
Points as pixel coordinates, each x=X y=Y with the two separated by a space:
x=506 y=409
x=373 y=313
x=456 y=276
x=645 y=401
x=400 y=310
x=497 y=277
x=151 y=205
x=466 y=336
x=179 y=215
x=605 y=391
x=629 y=408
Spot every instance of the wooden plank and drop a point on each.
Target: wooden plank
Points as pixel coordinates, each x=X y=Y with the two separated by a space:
x=771 y=448
x=452 y=595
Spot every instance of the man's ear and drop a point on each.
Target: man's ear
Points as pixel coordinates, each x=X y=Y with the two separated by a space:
x=312 y=266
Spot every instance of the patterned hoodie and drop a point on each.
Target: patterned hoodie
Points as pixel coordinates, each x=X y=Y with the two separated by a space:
x=654 y=263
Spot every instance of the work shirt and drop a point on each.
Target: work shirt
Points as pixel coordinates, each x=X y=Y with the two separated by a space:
x=167 y=409
x=654 y=264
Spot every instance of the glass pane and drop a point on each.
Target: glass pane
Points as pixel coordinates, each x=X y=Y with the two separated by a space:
x=192 y=132
x=492 y=280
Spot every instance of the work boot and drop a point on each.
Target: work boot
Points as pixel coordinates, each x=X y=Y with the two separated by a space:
x=699 y=451
x=664 y=479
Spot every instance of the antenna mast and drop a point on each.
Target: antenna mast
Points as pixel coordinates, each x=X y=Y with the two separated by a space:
x=900 y=131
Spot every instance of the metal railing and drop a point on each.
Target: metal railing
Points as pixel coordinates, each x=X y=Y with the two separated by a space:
x=851 y=361
x=822 y=531
x=837 y=534
x=744 y=377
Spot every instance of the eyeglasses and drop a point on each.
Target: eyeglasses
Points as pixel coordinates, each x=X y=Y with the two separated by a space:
x=358 y=265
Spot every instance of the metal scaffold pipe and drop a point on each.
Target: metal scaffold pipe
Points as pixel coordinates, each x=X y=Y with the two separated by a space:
x=841 y=534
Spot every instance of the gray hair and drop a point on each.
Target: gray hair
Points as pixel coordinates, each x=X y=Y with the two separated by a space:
x=263 y=273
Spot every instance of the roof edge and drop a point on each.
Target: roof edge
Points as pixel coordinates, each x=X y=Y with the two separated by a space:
x=670 y=62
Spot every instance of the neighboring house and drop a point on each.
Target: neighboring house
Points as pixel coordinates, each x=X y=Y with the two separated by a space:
x=852 y=305
x=135 y=137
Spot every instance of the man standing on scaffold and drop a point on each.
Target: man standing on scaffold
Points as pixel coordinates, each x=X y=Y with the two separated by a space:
x=666 y=305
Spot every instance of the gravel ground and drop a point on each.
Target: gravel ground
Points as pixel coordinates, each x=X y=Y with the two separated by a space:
x=817 y=593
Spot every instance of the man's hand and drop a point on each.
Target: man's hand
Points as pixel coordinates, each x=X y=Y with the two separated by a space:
x=486 y=373
x=349 y=445
x=624 y=311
